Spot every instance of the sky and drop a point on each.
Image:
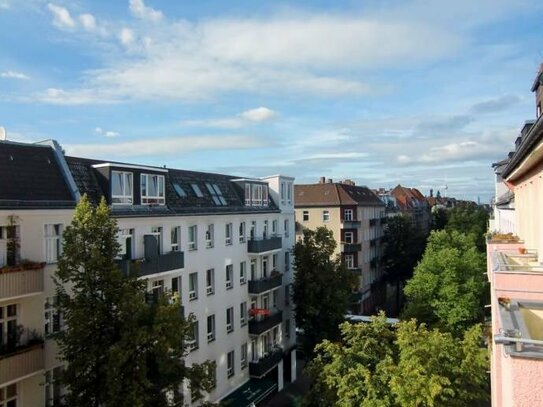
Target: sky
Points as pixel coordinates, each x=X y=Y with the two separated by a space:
x=426 y=94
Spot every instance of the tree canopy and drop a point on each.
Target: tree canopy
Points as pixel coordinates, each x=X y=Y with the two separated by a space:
x=119 y=349
x=405 y=365
x=449 y=288
x=469 y=219
x=322 y=287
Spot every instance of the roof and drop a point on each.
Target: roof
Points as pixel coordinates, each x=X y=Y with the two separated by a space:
x=408 y=198
x=84 y=173
x=334 y=194
x=32 y=177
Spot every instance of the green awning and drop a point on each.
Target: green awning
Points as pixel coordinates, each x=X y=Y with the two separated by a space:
x=254 y=391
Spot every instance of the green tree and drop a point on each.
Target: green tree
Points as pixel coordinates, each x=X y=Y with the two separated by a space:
x=439 y=218
x=469 y=219
x=403 y=249
x=448 y=289
x=119 y=349
x=322 y=287
x=405 y=365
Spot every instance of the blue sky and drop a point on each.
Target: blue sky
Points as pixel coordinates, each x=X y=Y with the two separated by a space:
x=422 y=93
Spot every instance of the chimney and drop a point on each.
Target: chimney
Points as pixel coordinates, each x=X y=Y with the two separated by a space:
x=3 y=134
x=330 y=180
x=322 y=180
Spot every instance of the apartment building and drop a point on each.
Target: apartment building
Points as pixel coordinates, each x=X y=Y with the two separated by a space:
x=411 y=202
x=219 y=242
x=515 y=273
x=356 y=217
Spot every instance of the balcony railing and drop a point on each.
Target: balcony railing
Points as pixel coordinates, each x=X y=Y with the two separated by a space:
x=264 y=244
x=520 y=260
x=356 y=270
x=351 y=247
x=351 y=224
x=21 y=357
x=16 y=281
x=266 y=363
x=262 y=323
x=265 y=284
x=164 y=262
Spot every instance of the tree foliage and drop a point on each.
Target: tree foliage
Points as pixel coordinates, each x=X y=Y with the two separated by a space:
x=119 y=349
x=448 y=289
x=469 y=219
x=406 y=365
x=322 y=287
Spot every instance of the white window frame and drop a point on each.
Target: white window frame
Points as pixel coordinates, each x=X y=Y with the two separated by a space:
x=228 y=234
x=349 y=237
x=53 y=387
x=193 y=240
x=283 y=187
x=229 y=276
x=54 y=321
x=242 y=232
x=242 y=272
x=326 y=215
x=193 y=286
x=230 y=364
x=125 y=198
x=230 y=320
x=348 y=215
x=192 y=340
x=248 y=196
x=210 y=236
x=53 y=242
x=289 y=193
x=244 y=355
x=160 y=197
x=305 y=216
x=175 y=239
x=243 y=313
x=349 y=261
x=211 y=334
x=210 y=281
x=286 y=225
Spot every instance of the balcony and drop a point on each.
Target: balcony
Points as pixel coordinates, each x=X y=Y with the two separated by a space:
x=265 y=284
x=260 y=367
x=264 y=244
x=356 y=270
x=262 y=323
x=153 y=265
x=350 y=224
x=22 y=358
x=24 y=279
x=351 y=247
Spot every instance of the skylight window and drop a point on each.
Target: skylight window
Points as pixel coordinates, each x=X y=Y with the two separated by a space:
x=216 y=194
x=179 y=191
x=197 y=190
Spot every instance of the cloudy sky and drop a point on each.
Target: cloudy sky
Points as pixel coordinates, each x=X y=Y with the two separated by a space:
x=423 y=93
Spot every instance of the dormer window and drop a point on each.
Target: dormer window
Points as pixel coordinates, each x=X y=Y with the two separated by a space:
x=216 y=194
x=256 y=195
x=152 y=189
x=121 y=187
x=197 y=190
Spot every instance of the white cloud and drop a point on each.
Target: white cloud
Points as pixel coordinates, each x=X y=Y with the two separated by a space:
x=260 y=114
x=108 y=133
x=72 y=97
x=171 y=146
x=61 y=16
x=88 y=21
x=13 y=75
x=126 y=36
x=140 y=10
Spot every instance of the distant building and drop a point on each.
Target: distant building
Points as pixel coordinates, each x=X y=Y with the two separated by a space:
x=411 y=202
x=515 y=273
x=356 y=217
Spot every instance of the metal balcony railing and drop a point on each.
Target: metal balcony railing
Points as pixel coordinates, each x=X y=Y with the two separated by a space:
x=263 y=244
x=265 y=284
x=263 y=365
x=351 y=247
x=262 y=323
x=145 y=267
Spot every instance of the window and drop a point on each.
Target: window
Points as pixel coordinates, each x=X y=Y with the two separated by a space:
x=242 y=232
x=287 y=294
x=52 y=386
x=193 y=286
x=286 y=228
x=349 y=237
x=179 y=190
x=274 y=262
x=230 y=319
x=216 y=194
x=349 y=261
x=275 y=297
x=158 y=287
x=228 y=234
x=152 y=189
x=252 y=232
x=325 y=216
x=229 y=276
x=121 y=187
x=210 y=281
x=211 y=328
x=283 y=187
x=197 y=191
x=8 y=327
x=287 y=328
x=248 y=195
x=257 y=194
x=157 y=233
x=53 y=247
x=125 y=240
x=243 y=359
x=264 y=195
x=210 y=236
x=287 y=261
x=305 y=216
x=265 y=230
x=289 y=193
x=193 y=237
x=230 y=364
x=8 y=396
x=176 y=289
x=192 y=340
x=213 y=374
x=274 y=226
x=242 y=273
x=243 y=313
x=348 y=215
x=175 y=239
x=52 y=316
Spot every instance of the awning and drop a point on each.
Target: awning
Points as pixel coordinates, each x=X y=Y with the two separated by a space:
x=254 y=391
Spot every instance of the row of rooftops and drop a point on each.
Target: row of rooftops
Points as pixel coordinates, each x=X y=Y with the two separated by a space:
x=40 y=176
